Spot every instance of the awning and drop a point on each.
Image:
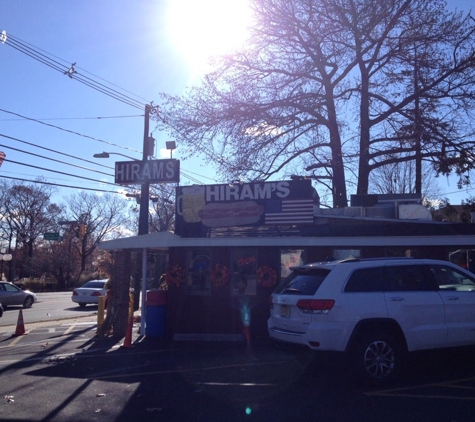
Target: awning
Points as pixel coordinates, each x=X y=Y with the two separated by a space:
x=165 y=240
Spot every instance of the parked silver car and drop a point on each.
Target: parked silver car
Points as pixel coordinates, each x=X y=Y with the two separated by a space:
x=12 y=295
x=89 y=292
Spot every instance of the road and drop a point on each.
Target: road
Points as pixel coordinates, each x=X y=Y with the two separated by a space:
x=50 y=307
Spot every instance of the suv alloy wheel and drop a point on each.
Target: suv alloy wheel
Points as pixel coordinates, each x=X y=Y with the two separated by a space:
x=377 y=357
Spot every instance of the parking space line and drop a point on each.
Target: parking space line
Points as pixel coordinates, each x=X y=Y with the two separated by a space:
x=15 y=340
x=68 y=330
x=453 y=384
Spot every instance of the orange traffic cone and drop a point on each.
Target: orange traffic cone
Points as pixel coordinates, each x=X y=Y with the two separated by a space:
x=128 y=335
x=20 y=326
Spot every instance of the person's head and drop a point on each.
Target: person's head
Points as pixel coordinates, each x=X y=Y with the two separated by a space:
x=242 y=283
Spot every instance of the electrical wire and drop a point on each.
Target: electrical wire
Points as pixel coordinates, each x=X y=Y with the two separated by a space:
x=50 y=150
x=57 y=184
x=60 y=172
x=74 y=118
x=57 y=161
x=69 y=70
x=70 y=131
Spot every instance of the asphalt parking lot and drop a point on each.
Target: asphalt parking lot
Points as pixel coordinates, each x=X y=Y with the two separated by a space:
x=64 y=373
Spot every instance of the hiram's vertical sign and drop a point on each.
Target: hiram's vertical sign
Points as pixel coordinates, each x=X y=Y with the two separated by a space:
x=150 y=171
x=247 y=204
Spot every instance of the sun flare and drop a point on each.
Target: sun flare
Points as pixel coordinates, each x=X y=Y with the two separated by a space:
x=201 y=29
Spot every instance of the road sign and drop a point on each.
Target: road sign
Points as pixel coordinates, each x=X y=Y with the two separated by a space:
x=51 y=236
x=147 y=171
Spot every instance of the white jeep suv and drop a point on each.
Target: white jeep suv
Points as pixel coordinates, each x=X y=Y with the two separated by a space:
x=375 y=309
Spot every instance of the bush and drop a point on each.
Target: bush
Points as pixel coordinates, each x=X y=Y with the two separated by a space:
x=37 y=285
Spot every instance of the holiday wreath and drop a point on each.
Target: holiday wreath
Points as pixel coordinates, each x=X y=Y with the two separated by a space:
x=175 y=275
x=220 y=275
x=266 y=276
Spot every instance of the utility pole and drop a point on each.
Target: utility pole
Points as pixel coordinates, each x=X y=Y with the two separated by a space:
x=145 y=187
x=143 y=220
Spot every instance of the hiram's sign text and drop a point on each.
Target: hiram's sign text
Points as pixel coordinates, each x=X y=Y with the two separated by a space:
x=243 y=204
x=150 y=171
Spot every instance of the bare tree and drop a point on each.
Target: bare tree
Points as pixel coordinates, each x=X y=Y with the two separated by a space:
x=399 y=178
x=161 y=211
x=26 y=214
x=329 y=85
x=101 y=217
x=415 y=62
x=162 y=218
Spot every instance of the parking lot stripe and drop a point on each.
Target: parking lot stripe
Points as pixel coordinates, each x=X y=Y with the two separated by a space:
x=405 y=391
x=69 y=329
x=14 y=341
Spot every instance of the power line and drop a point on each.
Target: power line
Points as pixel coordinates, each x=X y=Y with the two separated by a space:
x=75 y=118
x=52 y=159
x=59 y=172
x=70 y=131
x=70 y=71
x=51 y=150
x=57 y=184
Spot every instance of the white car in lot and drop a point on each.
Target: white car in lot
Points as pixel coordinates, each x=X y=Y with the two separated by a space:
x=375 y=310
x=89 y=292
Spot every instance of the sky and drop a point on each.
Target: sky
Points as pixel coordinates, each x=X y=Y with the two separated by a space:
x=139 y=49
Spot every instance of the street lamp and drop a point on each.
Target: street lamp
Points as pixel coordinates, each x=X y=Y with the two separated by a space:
x=171 y=145
x=107 y=154
x=4 y=257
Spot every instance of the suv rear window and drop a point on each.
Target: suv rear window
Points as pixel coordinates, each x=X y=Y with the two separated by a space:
x=302 y=282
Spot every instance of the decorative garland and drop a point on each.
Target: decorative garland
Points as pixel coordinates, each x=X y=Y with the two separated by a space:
x=175 y=276
x=220 y=275
x=266 y=276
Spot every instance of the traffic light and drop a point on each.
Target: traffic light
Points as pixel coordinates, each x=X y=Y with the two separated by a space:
x=82 y=231
x=150 y=146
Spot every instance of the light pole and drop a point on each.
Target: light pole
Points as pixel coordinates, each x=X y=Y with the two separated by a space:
x=148 y=145
x=4 y=257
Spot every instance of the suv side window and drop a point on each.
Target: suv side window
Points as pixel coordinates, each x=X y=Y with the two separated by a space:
x=408 y=278
x=449 y=278
x=367 y=280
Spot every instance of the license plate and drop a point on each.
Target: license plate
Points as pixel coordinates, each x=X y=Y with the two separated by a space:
x=285 y=311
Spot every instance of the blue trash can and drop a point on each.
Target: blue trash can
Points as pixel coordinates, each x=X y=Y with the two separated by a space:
x=156 y=313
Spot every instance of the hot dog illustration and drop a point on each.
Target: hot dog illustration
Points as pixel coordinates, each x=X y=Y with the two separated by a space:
x=231 y=213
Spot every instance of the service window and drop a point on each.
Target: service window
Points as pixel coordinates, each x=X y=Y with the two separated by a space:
x=290 y=258
x=198 y=279
x=341 y=254
x=244 y=271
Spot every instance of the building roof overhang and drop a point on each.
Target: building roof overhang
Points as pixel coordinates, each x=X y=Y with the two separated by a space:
x=166 y=240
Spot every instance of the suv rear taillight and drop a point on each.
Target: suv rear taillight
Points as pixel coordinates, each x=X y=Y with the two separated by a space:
x=315 y=306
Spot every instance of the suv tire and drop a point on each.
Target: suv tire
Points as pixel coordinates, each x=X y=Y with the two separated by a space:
x=377 y=357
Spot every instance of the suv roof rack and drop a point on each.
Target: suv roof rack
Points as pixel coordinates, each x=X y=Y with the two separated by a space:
x=385 y=258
